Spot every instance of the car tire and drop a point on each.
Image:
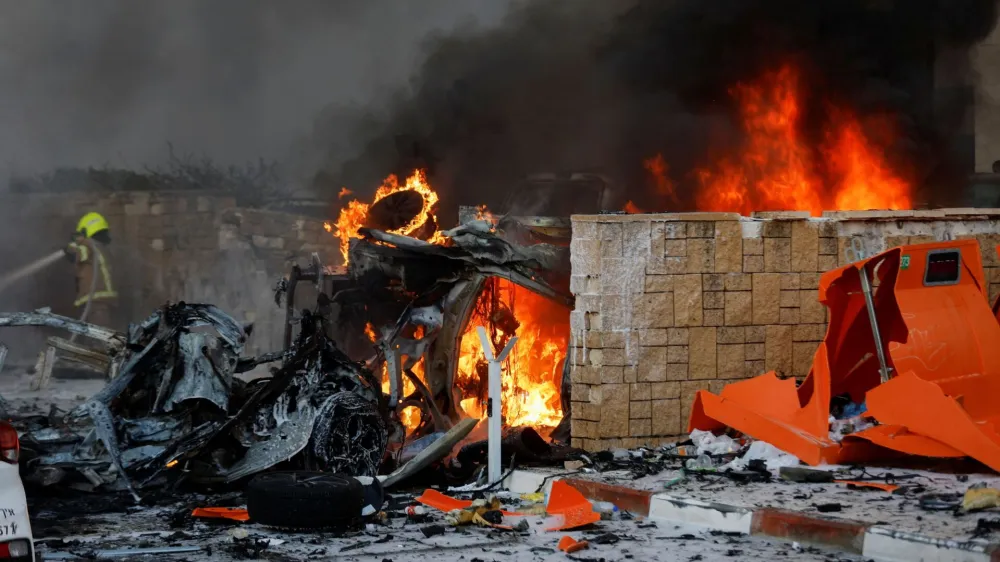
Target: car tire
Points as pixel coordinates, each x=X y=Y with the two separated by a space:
x=305 y=500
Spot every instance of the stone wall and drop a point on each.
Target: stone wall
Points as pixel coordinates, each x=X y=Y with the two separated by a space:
x=165 y=246
x=669 y=304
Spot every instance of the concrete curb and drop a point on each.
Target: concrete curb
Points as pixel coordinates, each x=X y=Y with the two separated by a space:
x=865 y=539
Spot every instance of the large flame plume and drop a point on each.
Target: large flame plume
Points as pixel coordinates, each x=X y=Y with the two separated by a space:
x=778 y=169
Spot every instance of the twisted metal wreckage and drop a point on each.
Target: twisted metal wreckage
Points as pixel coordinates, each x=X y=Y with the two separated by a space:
x=174 y=408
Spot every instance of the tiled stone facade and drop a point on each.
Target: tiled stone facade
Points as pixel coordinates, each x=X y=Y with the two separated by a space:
x=669 y=304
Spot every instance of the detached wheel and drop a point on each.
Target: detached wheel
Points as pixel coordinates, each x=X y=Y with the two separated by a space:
x=305 y=500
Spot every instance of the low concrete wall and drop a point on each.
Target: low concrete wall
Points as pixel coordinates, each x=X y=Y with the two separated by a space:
x=669 y=304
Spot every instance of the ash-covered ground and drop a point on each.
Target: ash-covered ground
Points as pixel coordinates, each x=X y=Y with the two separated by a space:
x=84 y=526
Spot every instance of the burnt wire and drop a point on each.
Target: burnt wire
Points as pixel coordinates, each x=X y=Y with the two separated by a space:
x=504 y=476
x=551 y=476
x=862 y=475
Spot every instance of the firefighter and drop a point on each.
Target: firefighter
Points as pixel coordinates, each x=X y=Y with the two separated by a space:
x=89 y=252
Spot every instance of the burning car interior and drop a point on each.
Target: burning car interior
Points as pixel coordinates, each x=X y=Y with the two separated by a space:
x=409 y=311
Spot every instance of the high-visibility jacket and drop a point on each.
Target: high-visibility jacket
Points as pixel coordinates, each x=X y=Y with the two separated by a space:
x=88 y=255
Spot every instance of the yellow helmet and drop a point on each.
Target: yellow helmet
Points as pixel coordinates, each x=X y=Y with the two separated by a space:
x=91 y=224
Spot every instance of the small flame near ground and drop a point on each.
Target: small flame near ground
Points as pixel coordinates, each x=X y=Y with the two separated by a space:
x=631 y=208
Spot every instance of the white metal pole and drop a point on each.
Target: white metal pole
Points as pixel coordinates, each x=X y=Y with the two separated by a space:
x=393 y=368
x=494 y=400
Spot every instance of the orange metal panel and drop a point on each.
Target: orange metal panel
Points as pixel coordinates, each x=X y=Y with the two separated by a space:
x=900 y=439
x=940 y=339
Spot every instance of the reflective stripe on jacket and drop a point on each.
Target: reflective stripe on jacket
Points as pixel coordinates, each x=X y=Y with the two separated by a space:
x=85 y=253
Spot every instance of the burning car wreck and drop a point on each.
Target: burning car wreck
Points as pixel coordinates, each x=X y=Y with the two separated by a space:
x=175 y=410
x=408 y=308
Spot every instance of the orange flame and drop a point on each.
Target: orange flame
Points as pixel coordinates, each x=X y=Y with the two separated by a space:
x=483 y=213
x=657 y=167
x=776 y=169
x=632 y=209
x=344 y=192
x=410 y=416
x=532 y=374
x=866 y=183
x=353 y=216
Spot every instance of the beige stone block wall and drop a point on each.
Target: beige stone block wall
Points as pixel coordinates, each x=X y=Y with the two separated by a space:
x=670 y=304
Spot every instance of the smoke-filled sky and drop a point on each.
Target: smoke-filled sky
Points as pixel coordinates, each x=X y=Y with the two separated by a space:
x=595 y=85
x=94 y=82
x=477 y=91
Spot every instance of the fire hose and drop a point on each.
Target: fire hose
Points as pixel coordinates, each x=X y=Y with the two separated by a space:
x=93 y=287
x=45 y=261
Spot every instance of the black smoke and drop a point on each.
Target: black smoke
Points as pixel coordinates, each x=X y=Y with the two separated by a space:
x=111 y=82
x=600 y=85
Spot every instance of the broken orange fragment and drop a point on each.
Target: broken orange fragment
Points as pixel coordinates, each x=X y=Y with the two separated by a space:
x=939 y=337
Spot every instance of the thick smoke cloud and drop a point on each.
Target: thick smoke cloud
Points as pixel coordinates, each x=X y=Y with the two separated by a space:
x=112 y=82
x=95 y=82
x=601 y=85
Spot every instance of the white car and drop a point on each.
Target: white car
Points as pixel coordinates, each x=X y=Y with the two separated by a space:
x=16 y=543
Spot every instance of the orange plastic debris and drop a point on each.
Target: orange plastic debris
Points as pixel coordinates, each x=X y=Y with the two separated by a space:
x=568 y=502
x=940 y=336
x=441 y=502
x=866 y=484
x=233 y=513
x=569 y=545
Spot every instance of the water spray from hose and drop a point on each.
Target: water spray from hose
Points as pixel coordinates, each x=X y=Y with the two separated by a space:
x=29 y=269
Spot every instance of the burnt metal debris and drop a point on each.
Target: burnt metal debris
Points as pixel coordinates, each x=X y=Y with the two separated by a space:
x=176 y=411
